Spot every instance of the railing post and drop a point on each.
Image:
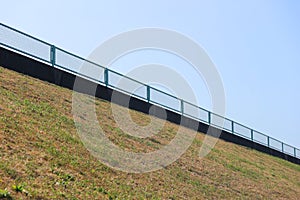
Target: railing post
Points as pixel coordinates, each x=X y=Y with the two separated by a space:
x=182 y=106
x=209 y=117
x=232 y=126
x=268 y=138
x=282 y=147
x=52 y=55
x=295 y=154
x=251 y=134
x=148 y=93
x=106 y=76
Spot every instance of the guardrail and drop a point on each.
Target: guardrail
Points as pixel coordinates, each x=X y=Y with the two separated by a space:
x=42 y=51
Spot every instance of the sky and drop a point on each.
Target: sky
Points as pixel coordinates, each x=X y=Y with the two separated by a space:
x=254 y=44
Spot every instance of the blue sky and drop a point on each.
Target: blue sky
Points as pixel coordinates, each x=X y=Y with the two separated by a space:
x=254 y=44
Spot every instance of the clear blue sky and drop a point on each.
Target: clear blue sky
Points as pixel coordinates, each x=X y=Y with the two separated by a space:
x=255 y=45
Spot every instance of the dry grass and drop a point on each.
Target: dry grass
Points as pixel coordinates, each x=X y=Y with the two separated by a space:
x=41 y=151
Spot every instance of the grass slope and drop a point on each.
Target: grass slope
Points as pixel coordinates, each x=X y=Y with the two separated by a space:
x=42 y=157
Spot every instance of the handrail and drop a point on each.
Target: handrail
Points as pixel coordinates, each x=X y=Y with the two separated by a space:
x=25 y=34
x=76 y=56
x=52 y=60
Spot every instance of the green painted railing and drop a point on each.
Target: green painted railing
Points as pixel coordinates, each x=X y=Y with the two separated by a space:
x=35 y=48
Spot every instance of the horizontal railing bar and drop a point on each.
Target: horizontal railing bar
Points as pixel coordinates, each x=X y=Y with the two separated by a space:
x=207 y=111
x=195 y=106
x=25 y=34
x=273 y=139
x=170 y=95
x=112 y=71
x=76 y=56
x=246 y=127
x=287 y=145
x=224 y=118
x=260 y=133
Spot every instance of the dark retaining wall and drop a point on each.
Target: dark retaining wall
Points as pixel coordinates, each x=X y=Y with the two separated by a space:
x=36 y=69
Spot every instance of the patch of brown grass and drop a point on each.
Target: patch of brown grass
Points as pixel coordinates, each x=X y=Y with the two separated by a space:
x=40 y=149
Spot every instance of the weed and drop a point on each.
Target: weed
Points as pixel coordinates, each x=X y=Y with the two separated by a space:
x=4 y=194
x=18 y=188
x=68 y=177
x=102 y=190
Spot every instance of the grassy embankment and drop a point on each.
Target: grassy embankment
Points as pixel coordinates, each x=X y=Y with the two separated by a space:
x=42 y=157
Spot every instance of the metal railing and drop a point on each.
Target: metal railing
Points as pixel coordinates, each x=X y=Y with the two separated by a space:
x=35 y=48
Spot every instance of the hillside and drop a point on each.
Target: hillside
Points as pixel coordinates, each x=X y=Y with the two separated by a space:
x=42 y=156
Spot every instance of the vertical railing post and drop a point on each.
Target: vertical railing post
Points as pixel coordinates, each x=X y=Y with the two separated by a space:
x=148 y=93
x=232 y=126
x=106 y=76
x=252 y=134
x=209 y=117
x=295 y=154
x=282 y=147
x=268 y=139
x=182 y=106
x=52 y=55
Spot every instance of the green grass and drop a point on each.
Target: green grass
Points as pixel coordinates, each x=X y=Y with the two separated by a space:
x=4 y=194
x=42 y=157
